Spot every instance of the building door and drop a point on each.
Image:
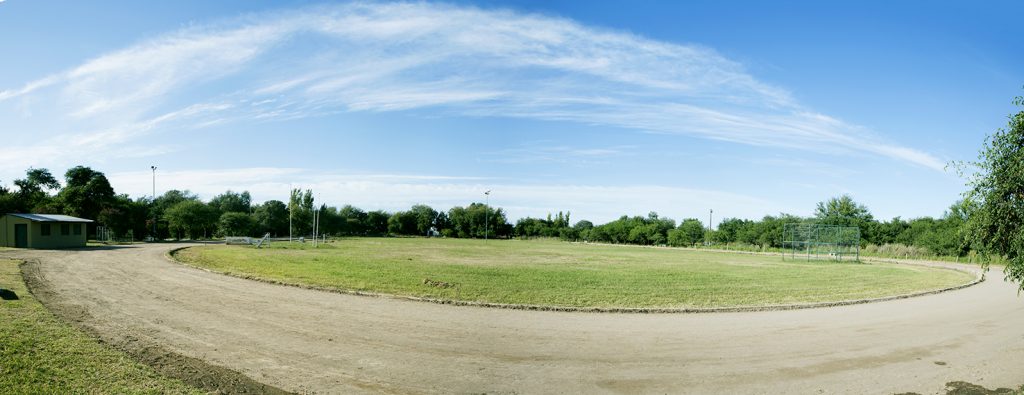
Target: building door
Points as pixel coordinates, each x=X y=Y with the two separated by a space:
x=21 y=235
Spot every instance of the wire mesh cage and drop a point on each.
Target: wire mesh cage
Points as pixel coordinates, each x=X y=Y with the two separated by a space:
x=809 y=241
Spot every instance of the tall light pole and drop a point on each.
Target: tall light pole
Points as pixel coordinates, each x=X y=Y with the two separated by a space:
x=487 y=209
x=316 y=223
x=708 y=241
x=291 y=198
x=154 y=201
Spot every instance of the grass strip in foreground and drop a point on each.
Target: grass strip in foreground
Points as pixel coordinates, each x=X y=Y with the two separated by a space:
x=40 y=354
x=554 y=273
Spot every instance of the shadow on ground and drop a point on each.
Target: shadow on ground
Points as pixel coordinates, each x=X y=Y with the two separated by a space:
x=965 y=388
x=7 y=294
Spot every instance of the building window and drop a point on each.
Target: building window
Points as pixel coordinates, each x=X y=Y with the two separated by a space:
x=78 y=229
x=45 y=229
x=65 y=229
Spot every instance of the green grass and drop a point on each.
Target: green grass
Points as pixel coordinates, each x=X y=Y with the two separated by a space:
x=41 y=355
x=545 y=272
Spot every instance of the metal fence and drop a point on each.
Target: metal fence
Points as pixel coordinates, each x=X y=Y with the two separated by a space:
x=807 y=241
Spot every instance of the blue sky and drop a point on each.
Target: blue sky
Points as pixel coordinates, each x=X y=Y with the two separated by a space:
x=598 y=108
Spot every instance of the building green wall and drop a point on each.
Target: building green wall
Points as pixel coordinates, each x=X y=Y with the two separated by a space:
x=7 y=223
x=35 y=233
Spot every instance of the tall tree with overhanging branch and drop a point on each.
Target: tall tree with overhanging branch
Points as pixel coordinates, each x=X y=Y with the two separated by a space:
x=87 y=192
x=997 y=188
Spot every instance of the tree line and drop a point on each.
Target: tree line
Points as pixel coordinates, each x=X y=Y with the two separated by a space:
x=178 y=214
x=945 y=235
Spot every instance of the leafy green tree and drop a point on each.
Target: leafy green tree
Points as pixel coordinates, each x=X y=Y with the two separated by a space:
x=846 y=212
x=471 y=222
x=441 y=222
x=173 y=197
x=583 y=229
x=958 y=220
x=842 y=211
x=647 y=234
x=648 y=230
x=331 y=222
x=232 y=202
x=159 y=207
x=729 y=230
x=998 y=188
x=689 y=233
x=86 y=193
x=376 y=223
x=271 y=217
x=300 y=205
x=568 y=234
x=37 y=180
x=353 y=221
x=402 y=223
x=426 y=218
x=33 y=192
x=769 y=230
x=9 y=203
x=235 y=224
x=530 y=227
x=125 y=216
x=887 y=232
x=192 y=219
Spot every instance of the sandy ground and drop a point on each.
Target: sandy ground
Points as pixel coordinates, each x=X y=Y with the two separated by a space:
x=320 y=342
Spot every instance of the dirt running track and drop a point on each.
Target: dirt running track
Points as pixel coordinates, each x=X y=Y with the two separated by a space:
x=311 y=341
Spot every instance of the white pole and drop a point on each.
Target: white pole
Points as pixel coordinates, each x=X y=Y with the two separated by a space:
x=290 y=212
x=154 y=202
x=487 y=208
x=708 y=239
x=314 y=226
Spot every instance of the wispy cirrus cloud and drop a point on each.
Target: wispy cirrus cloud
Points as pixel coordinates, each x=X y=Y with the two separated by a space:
x=453 y=60
x=545 y=152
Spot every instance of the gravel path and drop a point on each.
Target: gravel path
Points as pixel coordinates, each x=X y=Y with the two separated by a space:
x=311 y=341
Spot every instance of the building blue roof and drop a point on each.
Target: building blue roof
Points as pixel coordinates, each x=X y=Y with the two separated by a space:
x=51 y=218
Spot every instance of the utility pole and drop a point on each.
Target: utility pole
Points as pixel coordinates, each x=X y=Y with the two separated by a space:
x=154 y=201
x=487 y=209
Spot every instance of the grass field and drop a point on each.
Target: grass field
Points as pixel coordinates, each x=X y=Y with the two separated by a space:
x=564 y=274
x=41 y=355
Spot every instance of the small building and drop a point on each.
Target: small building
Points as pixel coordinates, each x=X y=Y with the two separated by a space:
x=42 y=231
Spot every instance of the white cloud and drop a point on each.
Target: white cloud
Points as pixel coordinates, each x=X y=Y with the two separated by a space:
x=29 y=87
x=393 y=192
x=458 y=61
x=543 y=151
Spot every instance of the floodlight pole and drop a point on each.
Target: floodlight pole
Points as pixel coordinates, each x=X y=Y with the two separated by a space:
x=487 y=209
x=290 y=192
x=707 y=241
x=154 y=201
x=316 y=225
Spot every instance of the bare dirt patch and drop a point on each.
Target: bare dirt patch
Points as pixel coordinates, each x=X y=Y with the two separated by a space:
x=192 y=371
